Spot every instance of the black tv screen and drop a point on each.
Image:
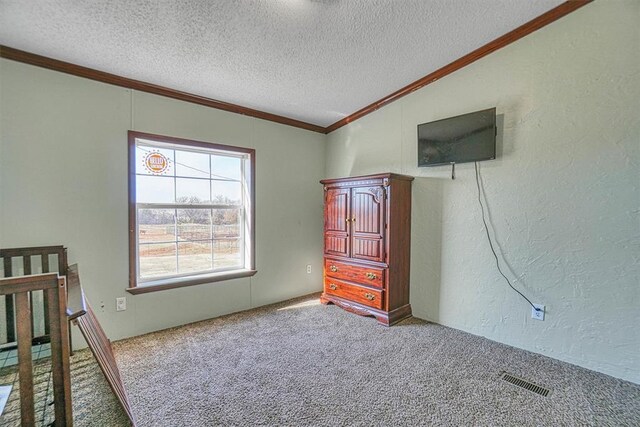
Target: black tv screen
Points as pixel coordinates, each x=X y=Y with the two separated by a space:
x=466 y=138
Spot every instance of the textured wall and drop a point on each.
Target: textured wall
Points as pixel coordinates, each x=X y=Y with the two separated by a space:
x=563 y=196
x=64 y=175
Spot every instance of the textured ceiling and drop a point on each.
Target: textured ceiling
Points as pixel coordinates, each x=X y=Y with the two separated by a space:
x=312 y=60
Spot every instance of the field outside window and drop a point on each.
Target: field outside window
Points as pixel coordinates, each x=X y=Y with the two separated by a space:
x=192 y=210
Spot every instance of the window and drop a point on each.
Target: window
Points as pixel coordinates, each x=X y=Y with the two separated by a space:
x=191 y=212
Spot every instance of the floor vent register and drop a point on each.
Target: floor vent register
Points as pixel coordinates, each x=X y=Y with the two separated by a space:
x=527 y=385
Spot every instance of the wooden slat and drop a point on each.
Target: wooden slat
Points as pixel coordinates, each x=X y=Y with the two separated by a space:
x=9 y=316
x=8 y=268
x=27 y=411
x=103 y=353
x=9 y=311
x=55 y=296
x=101 y=348
x=54 y=292
x=26 y=253
x=62 y=271
x=45 y=262
x=26 y=266
x=62 y=262
x=60 y=370
x=35 y=282
x=45 y=303
x=36 y=250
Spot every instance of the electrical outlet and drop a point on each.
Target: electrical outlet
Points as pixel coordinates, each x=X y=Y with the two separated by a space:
x=308 y=268
x=121 y=304
x=102 y=306
x=538 y=315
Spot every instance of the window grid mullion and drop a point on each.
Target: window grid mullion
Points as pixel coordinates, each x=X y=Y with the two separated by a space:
x=175 y=236
x=175 y=210
x=212 y=241
x=190 y=177
x=241 y=218
x=211 y=211
x=184 y=206
x=210 y=183
x=175 y=206
x=170 y=146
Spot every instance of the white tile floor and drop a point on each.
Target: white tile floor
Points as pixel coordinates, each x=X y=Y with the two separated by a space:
x=10 y=357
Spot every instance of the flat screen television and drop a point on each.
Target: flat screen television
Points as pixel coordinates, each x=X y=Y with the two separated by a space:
x=461 y=139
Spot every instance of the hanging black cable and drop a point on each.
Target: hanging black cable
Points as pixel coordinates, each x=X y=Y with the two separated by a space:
x=486 y=229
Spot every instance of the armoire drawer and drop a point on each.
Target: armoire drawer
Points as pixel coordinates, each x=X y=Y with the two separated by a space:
x=371 y=276
x=352 y=292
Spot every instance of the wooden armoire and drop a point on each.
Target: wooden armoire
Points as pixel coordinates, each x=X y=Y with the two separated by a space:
x=367 y=239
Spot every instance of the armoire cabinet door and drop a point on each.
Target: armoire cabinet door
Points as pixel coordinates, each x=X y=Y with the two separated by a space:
x=337 y=218
x=367 y=223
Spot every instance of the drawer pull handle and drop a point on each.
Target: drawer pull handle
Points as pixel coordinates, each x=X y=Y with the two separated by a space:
x=369 y=296
x=333 y=287
x=347 y=219
x=333 y=268
x=371 y=276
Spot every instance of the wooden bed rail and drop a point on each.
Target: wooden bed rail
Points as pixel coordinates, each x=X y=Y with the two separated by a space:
x=24 y=259
x=70 y=305
x=83 y=316
x=54 y=289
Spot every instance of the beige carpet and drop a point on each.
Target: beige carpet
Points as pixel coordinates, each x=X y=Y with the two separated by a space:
x=93 y=403
x=301 y=363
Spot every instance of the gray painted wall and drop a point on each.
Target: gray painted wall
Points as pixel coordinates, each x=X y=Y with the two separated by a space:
x=64 y=175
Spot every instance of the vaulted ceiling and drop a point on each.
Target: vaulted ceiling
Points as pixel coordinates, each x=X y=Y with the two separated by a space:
x=317 y=61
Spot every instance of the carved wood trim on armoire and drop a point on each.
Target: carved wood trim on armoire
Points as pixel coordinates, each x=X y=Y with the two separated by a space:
x=367 y=240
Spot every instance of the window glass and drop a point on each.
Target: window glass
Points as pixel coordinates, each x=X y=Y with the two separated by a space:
x=192 y=205
x=225 y=167
x=157 y=259
x=194 y=224
x=226 y=192
x=147 y=161
x=156 y=225
x=226 y=253
x=155 y=189
x=226 y=223
x=190 y=164
x=192 y=191
x=194 y=256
